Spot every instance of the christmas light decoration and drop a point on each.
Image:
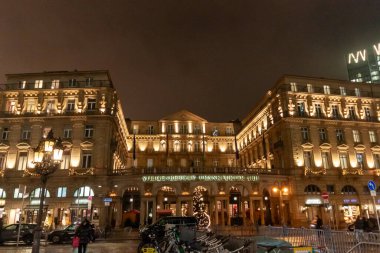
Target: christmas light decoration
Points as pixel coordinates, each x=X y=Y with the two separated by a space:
x=199 y=208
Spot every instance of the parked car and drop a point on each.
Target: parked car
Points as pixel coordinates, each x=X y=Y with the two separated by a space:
x=10 y=232
x=62 y=235
x=67 y=234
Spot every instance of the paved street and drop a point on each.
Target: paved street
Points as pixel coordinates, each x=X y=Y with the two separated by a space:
x=125 y=246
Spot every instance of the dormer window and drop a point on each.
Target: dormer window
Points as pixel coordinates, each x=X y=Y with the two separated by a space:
x=72 y=83
x=22 y=85
x=38 y=84
x=55 y=84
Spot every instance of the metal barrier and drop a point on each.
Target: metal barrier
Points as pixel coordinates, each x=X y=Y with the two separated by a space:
x=327 y=240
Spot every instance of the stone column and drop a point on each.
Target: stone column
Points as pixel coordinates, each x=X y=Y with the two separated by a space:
x=228 y=211
x=154 y=209
x=216 y=212
x=251 y=210
x=222 y=212
x=262 y=212
x=143 y=210
x=178 y=206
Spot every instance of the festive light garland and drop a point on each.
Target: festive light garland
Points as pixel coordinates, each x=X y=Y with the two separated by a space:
x=199 y=208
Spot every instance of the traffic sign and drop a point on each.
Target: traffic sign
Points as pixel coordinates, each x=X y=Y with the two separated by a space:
x=325 y=195
x=373 y=193
x=371 y=185
x=325 y=201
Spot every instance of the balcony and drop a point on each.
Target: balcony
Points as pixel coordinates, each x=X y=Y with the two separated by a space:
x=62 y=85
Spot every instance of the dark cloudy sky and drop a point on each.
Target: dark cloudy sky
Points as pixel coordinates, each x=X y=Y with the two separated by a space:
x=214 y=58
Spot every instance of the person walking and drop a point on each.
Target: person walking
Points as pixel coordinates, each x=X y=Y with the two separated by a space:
x=84 y=234
x=359 y=228
x=319 y=223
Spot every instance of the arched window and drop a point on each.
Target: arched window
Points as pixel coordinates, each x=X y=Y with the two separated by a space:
x=3 y=195
x=348 y=189
x=84 y=191
x=36 y=193
x=81 y=195
x=312 y=189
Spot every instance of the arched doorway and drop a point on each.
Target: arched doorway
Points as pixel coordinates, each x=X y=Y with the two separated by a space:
x=313 y=202
x=201 y=207
x=166 y=202
x=131 y=207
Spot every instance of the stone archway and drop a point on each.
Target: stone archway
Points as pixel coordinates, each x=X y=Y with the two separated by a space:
x=166 y=201
x=131 y=207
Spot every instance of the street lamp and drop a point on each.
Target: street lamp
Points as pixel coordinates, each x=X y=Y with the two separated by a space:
x=47 y=157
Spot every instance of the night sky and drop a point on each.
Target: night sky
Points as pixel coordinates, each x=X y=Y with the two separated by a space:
x=213 y=58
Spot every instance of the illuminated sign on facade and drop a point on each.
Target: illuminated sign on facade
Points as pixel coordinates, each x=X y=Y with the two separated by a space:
x=181 y=178
x=362 y=54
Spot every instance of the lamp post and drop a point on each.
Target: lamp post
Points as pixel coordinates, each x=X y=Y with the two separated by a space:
x=47 y=157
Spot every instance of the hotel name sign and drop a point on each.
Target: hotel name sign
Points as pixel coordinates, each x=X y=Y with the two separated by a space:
x=186 y=178
x=362 y=55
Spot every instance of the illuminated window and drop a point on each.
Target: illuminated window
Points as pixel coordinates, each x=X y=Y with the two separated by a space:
x=339 y=135
x=3 y=157
x=70 y=105
x=50 y=108
x=91 y=104
x=318 y=111
x=360 y=159
x=351 y=112
x=357 y=92
x=183 y=129
x=197 y=146
x=326 y=89
x=305 y=133
x=372 y=136
x=301 y=109
x=150 y=129
x=197 y=129
x=230 y=147
x=67 y=132
x=310 y=88
x=89 y=131
x=55 y=84
x=5 y=134
x=86 y=161
x=22 y=85
x=376 y=158
x=215 y=131
x=322 y=134
x=149 y=163
x=215 y=146
x=307 y=156
x=356 y=136
x=30 y=106
x=293 y=87
x=335 y=111
x=197 y=162
x=229 y=131
x=230 y=162
x=17 y=194
x=343 y=160
x=325 y=160
x=170 y=129
x=36 y=193
x=367 y=113
x=65 y=164
x=215 y=163
x=342 y=91
x=22 y=160
x=11 y=106
x=38 y=84
x=25 y=135
x=84 y=191
x=62 y=192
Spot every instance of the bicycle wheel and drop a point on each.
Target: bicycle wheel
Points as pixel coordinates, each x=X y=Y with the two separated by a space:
x=148 y=248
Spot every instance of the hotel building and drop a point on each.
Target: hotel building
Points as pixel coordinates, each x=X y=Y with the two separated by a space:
x=305 y=137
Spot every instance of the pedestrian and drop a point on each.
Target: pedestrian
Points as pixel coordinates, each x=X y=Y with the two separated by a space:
x=319 y=222
x=359 y=228
x=84 y=234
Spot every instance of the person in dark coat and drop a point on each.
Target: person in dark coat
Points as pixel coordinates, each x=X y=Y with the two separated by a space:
x=319 y=222
x=84 y=234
